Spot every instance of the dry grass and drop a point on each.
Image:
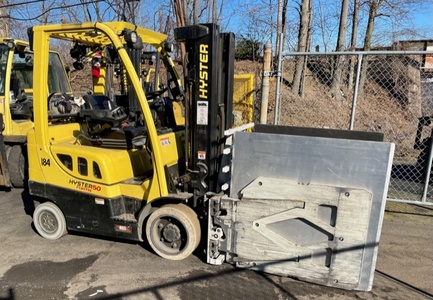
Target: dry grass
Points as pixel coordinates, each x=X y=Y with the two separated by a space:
x=377 y=111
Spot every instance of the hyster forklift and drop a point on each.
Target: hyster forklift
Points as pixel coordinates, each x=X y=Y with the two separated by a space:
x=288 y=201
x=16 y=105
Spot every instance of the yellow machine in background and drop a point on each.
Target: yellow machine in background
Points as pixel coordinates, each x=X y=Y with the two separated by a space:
x=16 y=104
x=243 y=99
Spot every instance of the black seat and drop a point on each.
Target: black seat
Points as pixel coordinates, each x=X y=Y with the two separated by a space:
x=22 y=107
x=121 y=138
x=104 y=120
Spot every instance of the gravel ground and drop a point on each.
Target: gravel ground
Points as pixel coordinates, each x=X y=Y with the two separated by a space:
x=82 y=267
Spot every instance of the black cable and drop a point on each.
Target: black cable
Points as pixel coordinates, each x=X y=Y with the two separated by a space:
x=22 y=3
x=48 y=10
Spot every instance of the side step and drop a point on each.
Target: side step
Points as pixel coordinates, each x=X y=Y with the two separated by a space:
x=125 y=217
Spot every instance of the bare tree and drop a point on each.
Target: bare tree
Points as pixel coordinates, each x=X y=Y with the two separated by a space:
x=74 y=15
x=258 y=23
x=195 y=6
x=44 y=18
x=374 y=6
x=325 y=23
x=397 y=11
x=353 y=39
x=338 y=61
x=192 y=12
x=281 y=24
x=181 y=21
x=303 y=43
x=4 y=21
x=304 y=68
x=214 y=11
x=279 y=27
x=125 y=10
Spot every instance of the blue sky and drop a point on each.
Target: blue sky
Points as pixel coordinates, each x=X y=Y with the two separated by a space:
x=418 y=26
x=388 y=29
x=424 y=19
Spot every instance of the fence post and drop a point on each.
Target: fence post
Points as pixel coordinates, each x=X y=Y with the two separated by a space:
x=279 y=75
x=265 y=83
x=428 y=170
x=355 y=93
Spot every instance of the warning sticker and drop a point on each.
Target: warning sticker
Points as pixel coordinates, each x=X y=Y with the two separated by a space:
x=201 y=155
x=165 y=141
x=202 y=112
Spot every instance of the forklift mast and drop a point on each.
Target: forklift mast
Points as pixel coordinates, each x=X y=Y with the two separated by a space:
x=134 y=52
x=209 y=84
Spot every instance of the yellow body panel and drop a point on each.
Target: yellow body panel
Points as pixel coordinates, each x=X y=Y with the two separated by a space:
x=16 y=128
x=141 y=192
x=179 y=113
x=33 y=151
x=89 y=169
x=171 y=147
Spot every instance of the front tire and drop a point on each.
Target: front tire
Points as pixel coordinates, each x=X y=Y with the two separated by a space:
x=173 y=231
x=49 y=221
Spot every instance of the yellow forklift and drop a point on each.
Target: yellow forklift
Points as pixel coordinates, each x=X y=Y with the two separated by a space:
x=288 y=201
x=16 y=105
x=116 y=152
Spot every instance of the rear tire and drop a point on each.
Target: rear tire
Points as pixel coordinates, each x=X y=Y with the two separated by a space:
x=17 y=166
x=49 y=221
x=173 y=231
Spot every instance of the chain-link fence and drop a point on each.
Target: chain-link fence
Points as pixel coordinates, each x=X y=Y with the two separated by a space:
x=388 y=92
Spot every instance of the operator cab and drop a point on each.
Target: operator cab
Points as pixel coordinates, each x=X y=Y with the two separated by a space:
x=18 y=79
x=110 y=115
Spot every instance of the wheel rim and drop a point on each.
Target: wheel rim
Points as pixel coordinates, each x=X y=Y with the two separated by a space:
x=169 y=235
x=48 y=222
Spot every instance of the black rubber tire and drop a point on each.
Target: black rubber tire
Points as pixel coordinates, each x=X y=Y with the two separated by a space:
x=173 y=231
x=49 y=221
x=17 y=166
